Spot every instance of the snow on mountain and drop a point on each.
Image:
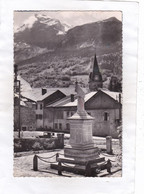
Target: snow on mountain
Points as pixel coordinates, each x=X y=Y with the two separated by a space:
x=43 y=19
x=27 y=23
x=66 y=27
x=87 y=44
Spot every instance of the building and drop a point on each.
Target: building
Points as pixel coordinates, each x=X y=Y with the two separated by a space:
x=24 y=107
x=103 y=105
x=95 y=77
x=44 y=115
x=27 y=115
x=48 y=97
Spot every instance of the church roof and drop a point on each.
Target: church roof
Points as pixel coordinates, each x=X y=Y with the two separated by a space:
x=95 y=72
x=95 y=67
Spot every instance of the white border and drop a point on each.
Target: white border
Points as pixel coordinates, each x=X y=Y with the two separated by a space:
x=9 y=184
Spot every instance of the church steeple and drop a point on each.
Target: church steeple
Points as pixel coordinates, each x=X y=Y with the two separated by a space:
x=95 y=67
x=95 y=78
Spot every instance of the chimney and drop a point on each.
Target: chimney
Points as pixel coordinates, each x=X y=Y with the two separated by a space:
x=72 y=97
x=44 y=91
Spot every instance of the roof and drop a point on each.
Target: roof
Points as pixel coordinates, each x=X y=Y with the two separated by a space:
x=37 y=93
x=22 y=103
x=66 y=102
x=95 y=67
x=114 y=95
x=42 y=97
x=26 y=89
x=61 y=102
x=86 y=98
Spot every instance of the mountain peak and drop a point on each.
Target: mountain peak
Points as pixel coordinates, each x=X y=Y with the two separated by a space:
x=42 y=19
x=112 y=19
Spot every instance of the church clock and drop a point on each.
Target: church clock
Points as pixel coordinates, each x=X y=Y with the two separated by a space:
x=96 y=78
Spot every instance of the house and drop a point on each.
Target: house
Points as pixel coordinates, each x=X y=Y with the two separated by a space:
x=26 y=110
x=24 y=106
x=48 y=97
x=103 y=105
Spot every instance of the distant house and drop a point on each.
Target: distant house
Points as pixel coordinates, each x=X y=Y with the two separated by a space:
x=104 y=106
x=24 y=107
x=48 y=97
x=27 y=114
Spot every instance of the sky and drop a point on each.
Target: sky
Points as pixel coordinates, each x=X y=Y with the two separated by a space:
x=72 y=18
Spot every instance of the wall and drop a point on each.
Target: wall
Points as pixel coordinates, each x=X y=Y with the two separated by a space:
x=102 y=127
x=59 y=116
x=28 y=117
x=39 y=111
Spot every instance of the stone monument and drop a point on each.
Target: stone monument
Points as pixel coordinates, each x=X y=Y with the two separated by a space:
x=81 y=146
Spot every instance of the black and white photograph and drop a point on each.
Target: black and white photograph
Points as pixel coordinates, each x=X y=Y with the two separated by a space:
x=68 y=93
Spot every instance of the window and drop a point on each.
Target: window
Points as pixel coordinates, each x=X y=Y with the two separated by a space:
x=40 y=106
x=106 y=116
x=36 y=106
x=56 y=126
x=24 y=128
x=60 y=126
x=59 y=114
x=72 y=113
x=30 y=128
x=68 y=126
x=67 y=113
x=39 y=116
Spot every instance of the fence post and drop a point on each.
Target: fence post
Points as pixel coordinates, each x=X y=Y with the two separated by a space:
x=60 y=137
x=109 y=144
x=35 y=163
x=88 y=169
x=108 y=166
x=57 y=155
x=59 y=169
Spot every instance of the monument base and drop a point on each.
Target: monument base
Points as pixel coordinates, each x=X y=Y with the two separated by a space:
x=88 y=168
x=81 y=153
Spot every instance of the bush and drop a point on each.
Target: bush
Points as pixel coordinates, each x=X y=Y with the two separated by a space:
x=37 y=146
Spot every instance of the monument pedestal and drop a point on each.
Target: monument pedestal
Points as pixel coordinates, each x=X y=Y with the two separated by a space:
x=81 y=146
x=81 y=151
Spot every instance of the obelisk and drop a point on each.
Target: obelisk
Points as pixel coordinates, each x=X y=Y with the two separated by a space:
x=81 y=146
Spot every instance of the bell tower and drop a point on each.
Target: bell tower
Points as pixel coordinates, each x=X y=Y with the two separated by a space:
x=95 y=77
